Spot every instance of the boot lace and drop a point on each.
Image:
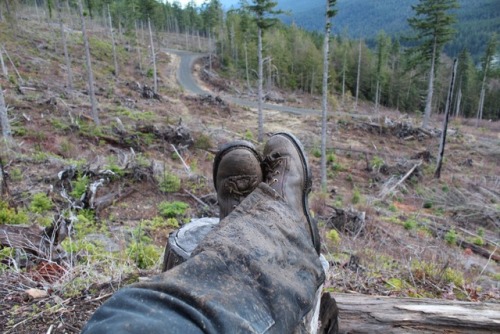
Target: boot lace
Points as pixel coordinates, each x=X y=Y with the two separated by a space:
x=271 y=165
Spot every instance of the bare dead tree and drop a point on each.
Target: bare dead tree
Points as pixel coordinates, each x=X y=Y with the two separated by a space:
x=4 y=68
x=67 y=59
x=358 y=76
x=4 y=119
x=93 y=101
x=329 y=13
x=153 y=58
x=138 y=47
x=115 y=60
x=437 y=174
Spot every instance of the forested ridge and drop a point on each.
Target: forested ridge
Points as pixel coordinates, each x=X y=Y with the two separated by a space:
x=477 y=19
x=296 y=57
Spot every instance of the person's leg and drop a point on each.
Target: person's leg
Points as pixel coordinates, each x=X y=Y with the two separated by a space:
x=257 y=272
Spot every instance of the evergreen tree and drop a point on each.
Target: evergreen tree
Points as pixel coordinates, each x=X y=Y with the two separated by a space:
x=433 y=26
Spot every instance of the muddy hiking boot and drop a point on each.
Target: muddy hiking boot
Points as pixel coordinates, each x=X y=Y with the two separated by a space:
x=237 y=172
x=286 y=170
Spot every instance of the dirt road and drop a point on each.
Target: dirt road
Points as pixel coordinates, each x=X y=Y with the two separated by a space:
x=188 y=82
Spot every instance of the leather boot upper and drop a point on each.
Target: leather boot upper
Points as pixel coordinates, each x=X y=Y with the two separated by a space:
x=237 y=172
x=287 y=172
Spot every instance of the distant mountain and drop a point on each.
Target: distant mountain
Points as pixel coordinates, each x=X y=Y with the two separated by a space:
x=477 y=19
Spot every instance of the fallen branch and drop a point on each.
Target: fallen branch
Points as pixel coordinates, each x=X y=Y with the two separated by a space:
x=13 y=65
x=384 y=192
x=195 y=198
x=188 y=169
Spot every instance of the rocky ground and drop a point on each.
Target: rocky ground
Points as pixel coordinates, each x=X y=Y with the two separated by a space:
x=151 y=156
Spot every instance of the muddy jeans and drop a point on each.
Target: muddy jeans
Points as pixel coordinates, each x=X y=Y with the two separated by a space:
x=256 y=272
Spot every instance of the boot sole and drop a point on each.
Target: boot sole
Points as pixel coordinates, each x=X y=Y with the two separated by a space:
x=226 y=148
x=307 y=188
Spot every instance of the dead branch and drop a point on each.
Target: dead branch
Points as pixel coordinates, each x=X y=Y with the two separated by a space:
x=386 y=192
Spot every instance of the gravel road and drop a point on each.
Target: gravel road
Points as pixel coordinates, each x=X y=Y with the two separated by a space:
x=188 y=82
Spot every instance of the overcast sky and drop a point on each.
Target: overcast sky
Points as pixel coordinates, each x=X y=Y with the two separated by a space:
x=185 y=2
x=199 y=2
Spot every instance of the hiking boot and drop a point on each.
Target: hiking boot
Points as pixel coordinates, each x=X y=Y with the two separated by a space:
x=286 y=170
x=237 y=172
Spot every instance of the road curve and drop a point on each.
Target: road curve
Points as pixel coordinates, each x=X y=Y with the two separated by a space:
x=187 y=81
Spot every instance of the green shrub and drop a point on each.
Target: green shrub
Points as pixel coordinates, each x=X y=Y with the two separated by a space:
x=144 y=256
x=203 y=142
x=395 y=284
x=331 y=158
x=170 y=184
x=10 y=216
x=316 y=152
x=333 y=236
x=160 y=223
x=172 y=223
x=451 y=237
x=40 y=203
x=113 y=166
x=410 y=224
x=142 y=251
x=454 y=276
x=427 y=205
x=337 y=167
x=16 y=174
x=478 y=241
x=377 y=162
x=173 y=209
x=79 y=186
x=356 y=196
x=249 y=135
x=6 y=254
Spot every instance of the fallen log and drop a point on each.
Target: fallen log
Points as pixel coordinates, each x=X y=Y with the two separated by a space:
x=479 y=250
x=440 y=232
x=374 y=314
x=36 y=240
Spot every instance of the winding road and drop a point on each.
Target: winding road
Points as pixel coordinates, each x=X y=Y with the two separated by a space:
x=187 y=81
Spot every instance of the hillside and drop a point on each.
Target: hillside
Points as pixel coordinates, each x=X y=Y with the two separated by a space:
x=122 y=186
x=477 y=20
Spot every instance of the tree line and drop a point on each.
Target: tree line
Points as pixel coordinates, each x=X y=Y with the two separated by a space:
x=292 y=57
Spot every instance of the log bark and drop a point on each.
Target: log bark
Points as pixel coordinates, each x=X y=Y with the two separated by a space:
x=373 y=314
